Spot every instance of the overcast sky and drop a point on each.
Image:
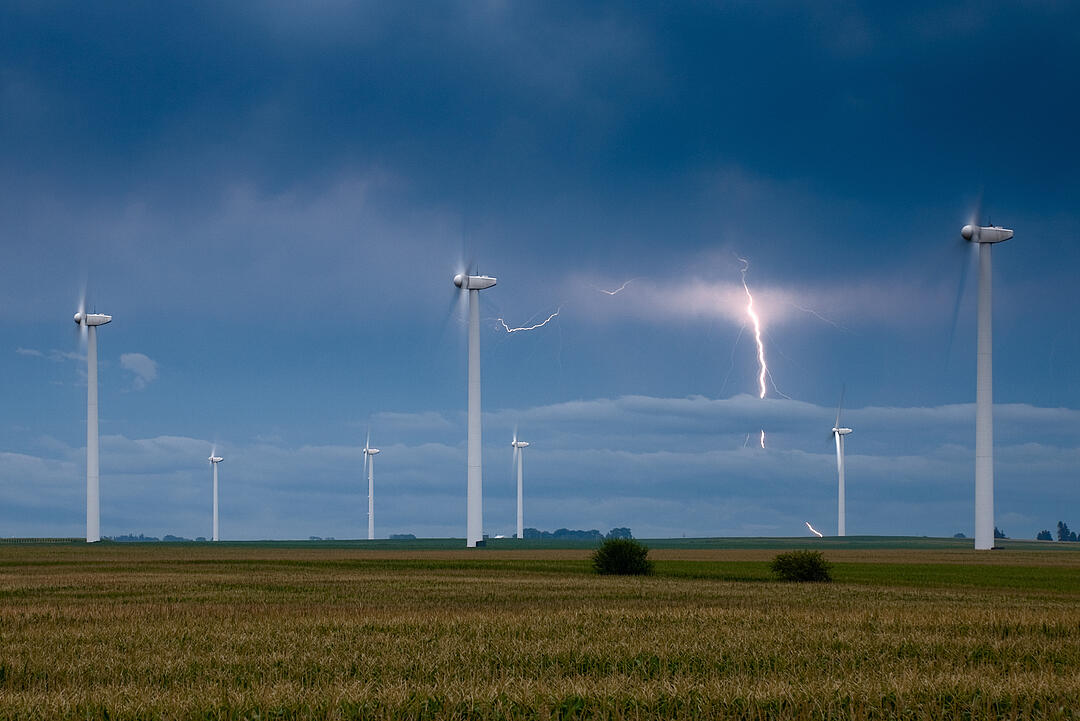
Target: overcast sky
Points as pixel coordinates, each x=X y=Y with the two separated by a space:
x=271 y=200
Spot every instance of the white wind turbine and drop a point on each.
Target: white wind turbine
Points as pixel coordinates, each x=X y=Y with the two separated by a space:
x=215 y=459
x=369 y=469
x=518 y=460
x=985 y=236
x=838 y=433
x=474 y=534
x=88 y=323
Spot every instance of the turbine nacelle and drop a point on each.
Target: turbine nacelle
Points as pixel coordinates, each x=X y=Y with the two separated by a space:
x=216 y=459
x=371 y=451
x=473 y=282
x=985 y=234
x=89 y=319
x=520 y=444
x=841 y=431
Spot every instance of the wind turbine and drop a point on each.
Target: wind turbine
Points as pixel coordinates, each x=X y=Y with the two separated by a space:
x=474 y=534
x=88 y=323
x=214 y=460
x=985 y=236
x=518 y=458
x=369 y=467
x=839 y=433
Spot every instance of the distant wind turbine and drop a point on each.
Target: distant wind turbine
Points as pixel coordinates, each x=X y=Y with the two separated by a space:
x=518 y=458
x=474 y=535
x=839 y=433
x=88 y=323
x=369 y=468
x=985 y=236
x=215 y=459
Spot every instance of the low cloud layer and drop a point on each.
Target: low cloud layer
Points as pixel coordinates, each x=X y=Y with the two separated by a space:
x=662 y=466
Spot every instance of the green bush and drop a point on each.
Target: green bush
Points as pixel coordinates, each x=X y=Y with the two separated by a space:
x=622 y=556
x=801 y=566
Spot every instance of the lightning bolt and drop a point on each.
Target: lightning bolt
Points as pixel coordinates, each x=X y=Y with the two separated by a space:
x=763 y=368
x=530 y=327
x=814 y=530
x=618 y=290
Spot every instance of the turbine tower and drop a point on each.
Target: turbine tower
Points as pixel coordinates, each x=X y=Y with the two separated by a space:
x=214 y=460
x=88 y=323
x=474 y=534
x=518 y=457
x=984 y=386
x=839 y=433
x=369 y=466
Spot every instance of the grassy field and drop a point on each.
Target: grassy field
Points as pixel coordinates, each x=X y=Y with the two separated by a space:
x=914 y=629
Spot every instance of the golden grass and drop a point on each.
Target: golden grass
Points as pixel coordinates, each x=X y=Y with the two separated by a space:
x=235 y=632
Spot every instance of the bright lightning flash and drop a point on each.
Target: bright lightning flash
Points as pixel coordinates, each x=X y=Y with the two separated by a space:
x=814 y=530
x=531 y=327
x=763 y=369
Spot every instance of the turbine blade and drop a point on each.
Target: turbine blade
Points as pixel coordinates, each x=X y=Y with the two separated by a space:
x=840 y=405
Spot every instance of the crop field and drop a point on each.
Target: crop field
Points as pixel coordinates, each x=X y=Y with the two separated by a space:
x=343 y=631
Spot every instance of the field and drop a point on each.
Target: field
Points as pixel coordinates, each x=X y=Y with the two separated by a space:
x=909 y=629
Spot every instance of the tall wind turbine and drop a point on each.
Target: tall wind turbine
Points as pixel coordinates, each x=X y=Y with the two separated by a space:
x=474 y=534
x=369 y=466
x=839 y=433
x=214 y=460
x=518 y=457
x=985 y=236
x=88 y=323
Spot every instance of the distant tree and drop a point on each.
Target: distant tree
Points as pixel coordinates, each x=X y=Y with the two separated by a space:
x=1044 y=536
x=622 y=556
x=402 y=537
x=201 y=539
x=808 y=566
x=998 y=533
x=1072 y=536
x=958 y=535
x=620 y=532
x=1063 y=532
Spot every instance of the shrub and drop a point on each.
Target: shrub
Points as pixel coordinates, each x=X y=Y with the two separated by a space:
x=801 y=566
x=622 y=556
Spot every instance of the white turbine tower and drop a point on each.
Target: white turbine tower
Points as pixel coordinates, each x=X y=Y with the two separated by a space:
x=984 y=386
x=839 y=433
x=369 y=468
x=88 y=323
x=518 y=460
x=215 y=459
x=474 y=534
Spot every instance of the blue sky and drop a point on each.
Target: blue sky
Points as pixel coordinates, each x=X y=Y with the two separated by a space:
x=271 y=201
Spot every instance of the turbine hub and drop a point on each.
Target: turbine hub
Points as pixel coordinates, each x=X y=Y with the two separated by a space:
x=985 y=234
x=79 y=317
x=473 y=282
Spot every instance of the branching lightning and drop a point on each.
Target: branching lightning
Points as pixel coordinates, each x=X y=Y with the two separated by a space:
x=530 y=327
x=814 y=530
x=763 y=368
x=618 y=290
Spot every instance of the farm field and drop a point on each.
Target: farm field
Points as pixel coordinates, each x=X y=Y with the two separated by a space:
x=919 y=629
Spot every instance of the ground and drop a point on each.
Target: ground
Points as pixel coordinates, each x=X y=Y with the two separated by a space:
x=909 y=628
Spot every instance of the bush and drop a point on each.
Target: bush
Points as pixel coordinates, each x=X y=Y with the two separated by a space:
x=801 y=566
x=622 y=556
